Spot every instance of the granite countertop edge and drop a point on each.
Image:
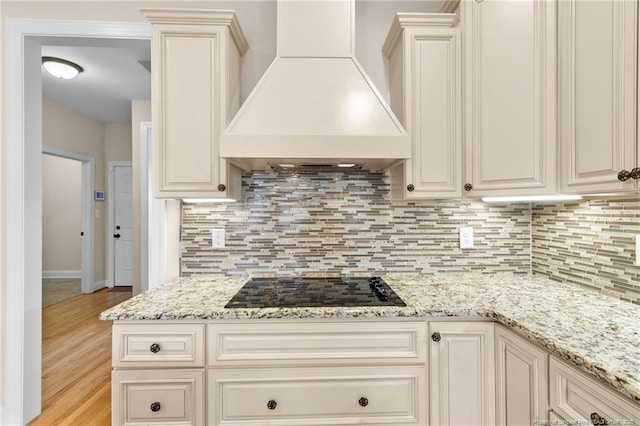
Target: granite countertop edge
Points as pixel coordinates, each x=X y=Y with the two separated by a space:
x=543 y=311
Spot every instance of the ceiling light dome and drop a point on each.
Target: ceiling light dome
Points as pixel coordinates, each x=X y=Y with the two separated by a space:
x=61 y=68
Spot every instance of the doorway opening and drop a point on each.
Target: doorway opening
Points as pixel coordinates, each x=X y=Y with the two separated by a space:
x=68 y=226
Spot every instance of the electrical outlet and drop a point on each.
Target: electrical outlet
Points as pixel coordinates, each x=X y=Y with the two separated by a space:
x=466 y=237
x=637 y=249
x=217 y=238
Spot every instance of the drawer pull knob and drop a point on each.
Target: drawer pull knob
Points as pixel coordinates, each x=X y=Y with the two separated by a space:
x=597 y=419
x=155 y=407
x=363 y=402
x=155 y=348
x=272 y=404
x=624 y=175
x=436 y=337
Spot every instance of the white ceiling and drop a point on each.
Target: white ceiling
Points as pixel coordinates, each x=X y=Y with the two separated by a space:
x=113 y=76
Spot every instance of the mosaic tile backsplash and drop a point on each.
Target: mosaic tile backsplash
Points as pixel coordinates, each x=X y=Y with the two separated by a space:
x=345 y=223
x=589 y=243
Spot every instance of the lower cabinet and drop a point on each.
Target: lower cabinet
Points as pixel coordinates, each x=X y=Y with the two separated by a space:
x=578 y=399
x=385 y=372
x=461 y=374
x=157 y=397
x=521 y=381
x=389 y=396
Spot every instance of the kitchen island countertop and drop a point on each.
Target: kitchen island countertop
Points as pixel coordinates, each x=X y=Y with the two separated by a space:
x=597 y=333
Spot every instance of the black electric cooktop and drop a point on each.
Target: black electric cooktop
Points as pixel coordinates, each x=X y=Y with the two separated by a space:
x=312 y=292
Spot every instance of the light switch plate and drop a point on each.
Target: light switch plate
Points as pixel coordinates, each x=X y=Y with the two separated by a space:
x=217 y=238
x=466 y=237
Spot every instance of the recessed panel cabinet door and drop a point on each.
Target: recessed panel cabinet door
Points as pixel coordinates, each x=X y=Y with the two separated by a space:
x=597 y=63
x=510 y=76
x=461 y=374
x=521 y=381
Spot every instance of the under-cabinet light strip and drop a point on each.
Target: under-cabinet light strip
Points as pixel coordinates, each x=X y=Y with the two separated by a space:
x=532 y=199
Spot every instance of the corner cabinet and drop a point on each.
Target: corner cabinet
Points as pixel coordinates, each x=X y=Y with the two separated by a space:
x=598 y=87
x=461 y=373
x=509 y=96
x=521 y=380
x=196 y=78
x=425 y=63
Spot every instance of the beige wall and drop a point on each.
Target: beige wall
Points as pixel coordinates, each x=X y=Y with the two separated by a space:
x=117 y=142
x=69 y=130
x=61 y=214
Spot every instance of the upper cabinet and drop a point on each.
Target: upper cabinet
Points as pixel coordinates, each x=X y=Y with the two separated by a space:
x=196 y=80
x=510 y=96
x=597 y=88
x=425 y=61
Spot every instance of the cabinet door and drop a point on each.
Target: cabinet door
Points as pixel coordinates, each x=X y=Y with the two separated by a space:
x=521 y=381
x=597 y=55
x=193 y=67
x=434 y=102
x=510 y=100
x=461 y=374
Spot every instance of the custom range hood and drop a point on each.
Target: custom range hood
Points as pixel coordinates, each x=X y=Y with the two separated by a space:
x=315 y=106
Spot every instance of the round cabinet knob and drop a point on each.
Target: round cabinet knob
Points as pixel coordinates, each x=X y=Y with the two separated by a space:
x=597 y=419
x=468 y=187
x=410 y=187
x=155 y=407
x=222 y=187
x=624 y=175
x=363 y=402
x=436 y=337
x=155 y=348
x=272 y=404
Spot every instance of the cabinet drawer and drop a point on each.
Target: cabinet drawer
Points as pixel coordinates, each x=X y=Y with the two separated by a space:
x=575 y=396
x=391 y=395
x=308 y=343
x=157 y=397
x=163 y=345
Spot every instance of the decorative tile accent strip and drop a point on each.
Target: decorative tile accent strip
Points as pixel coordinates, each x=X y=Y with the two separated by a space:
x=343 y=223
x=589 y=243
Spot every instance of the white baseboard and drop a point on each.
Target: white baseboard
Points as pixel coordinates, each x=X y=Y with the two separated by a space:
x=62 y=274
x=99 y=285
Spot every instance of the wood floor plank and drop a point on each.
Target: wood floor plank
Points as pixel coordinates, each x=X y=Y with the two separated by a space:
x=76 y=361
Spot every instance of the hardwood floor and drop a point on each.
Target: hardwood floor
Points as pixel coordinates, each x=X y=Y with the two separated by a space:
x=76 y=361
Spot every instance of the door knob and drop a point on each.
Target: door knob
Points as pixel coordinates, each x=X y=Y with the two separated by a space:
x=116 y=235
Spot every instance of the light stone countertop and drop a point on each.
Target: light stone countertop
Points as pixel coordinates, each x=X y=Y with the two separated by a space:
x=597 y=333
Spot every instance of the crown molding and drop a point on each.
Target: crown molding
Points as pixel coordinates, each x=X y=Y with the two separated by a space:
x=403 y=21
x=221 y=17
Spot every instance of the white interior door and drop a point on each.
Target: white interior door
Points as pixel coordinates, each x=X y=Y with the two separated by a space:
x=123 y=224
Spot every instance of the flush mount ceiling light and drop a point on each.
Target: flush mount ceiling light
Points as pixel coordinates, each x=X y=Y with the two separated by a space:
x=61 y=68
x=532 y=199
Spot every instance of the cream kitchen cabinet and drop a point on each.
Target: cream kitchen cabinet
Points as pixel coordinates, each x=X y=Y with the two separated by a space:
x=425 y=63
x=196 y=77
x=461 y=373
x=579 y=399
x=521 y=380
x=598 y=54
x=158 y=373
x=276 y=372
x=509 y=96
